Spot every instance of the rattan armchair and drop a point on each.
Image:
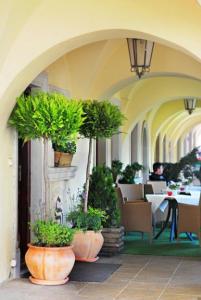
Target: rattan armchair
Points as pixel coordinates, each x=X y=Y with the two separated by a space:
x=189 y=219
x=135 y=215
x=131 y=191
x=158 y=186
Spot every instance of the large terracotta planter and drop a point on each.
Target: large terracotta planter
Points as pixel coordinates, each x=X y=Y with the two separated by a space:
x=86 y=245
x=49 y=266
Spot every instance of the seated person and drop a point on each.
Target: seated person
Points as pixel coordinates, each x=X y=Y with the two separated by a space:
x=157 y=174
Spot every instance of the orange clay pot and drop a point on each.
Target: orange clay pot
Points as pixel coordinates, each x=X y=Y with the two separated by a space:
x=86 y=245
x=49 y=265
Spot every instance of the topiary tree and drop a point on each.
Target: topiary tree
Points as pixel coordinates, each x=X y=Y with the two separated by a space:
x=47 y=116
x=128 y=174
x=116 y=169
x=172 y=170
x=102 y=194
x=102 y=120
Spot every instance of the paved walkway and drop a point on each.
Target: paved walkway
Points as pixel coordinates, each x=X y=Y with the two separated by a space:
x=139 y=278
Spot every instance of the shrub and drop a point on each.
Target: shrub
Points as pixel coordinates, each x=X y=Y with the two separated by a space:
x=116 y=169
x=70 y=147
x=102 y=194
x=92 y=220
x=128 y=174
x=51 y=234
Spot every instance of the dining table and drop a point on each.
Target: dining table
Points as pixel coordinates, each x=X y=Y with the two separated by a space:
x=162 y=201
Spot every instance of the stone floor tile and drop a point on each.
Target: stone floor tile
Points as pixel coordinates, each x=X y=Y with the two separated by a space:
x=106 y=290
x=139 y=277
x=179 y=297
x=146 y=285
x=185 y=289
x=136 y=293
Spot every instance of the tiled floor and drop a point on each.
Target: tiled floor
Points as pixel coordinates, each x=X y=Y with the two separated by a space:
x=138 y=278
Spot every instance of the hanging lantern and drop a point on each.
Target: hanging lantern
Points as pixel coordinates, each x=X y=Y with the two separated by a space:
x=189 y=104
x=140 y=52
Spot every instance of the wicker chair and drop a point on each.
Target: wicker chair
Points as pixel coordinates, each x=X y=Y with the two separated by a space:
x=135 y=215
x=132 y=191
x=158 y=186
x=189 y=219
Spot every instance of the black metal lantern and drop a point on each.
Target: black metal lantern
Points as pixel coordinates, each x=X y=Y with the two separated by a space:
x=140 y=52
x=189 y=104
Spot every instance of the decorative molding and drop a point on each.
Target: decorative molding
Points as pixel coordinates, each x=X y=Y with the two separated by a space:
x=61 y=174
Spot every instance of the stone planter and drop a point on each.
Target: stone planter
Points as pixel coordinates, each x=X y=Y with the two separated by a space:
x=113 y=241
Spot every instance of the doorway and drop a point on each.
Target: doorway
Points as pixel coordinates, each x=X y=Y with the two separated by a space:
x=24 y=192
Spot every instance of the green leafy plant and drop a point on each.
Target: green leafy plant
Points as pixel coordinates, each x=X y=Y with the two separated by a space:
x=48 y=116
x=70 y=147
x=129 y=173
x=174 y=186
x=51 y=234
x=102 y=194
x=116 y=169
x=197 y=174
x=92 y=220
x=102 y=120
x=172 y=170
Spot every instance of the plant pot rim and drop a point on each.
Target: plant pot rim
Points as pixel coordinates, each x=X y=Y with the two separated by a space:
x=64 y=152
x=52 y=248
x=84 y=231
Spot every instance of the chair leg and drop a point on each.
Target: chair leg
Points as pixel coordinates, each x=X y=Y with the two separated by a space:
x=150 y=237
x=199 y=238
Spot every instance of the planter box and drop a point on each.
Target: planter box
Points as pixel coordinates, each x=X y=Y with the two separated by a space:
x=113 y=241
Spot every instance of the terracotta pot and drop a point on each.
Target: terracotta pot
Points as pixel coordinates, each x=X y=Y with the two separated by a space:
x=62 y=159
x=86 y=245
x=49 y=266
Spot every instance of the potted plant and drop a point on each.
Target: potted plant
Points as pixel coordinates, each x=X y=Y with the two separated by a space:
x=47 y=116
x=129 y=173
x=102 y=119
x=116 y=169
x=49 y=257
x=197 y=174
x=63 y=154
x=102 y=194
x=87 y=246
x=173 y=187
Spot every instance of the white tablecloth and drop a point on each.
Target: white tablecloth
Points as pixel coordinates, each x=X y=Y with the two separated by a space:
x=158 y=200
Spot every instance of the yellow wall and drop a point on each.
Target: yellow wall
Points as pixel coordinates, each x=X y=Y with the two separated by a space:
x=36 y=33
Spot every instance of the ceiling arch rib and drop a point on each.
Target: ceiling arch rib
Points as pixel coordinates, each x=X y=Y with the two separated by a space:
x=36 y=56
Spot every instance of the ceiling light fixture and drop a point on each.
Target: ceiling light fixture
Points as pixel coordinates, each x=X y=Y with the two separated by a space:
x=190 y=104
x=140 y=52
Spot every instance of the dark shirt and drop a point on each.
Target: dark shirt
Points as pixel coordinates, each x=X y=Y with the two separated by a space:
x=156 y=177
